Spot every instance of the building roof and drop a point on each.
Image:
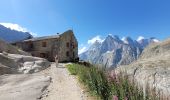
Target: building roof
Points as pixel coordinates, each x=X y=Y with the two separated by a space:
x=47 y=37
x=42 y=38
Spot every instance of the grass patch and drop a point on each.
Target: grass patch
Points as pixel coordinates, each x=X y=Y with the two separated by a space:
x=72 y=69
x=109 y=86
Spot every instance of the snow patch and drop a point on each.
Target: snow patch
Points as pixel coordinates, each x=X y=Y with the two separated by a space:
x=94 y=39
x=140 y=38
x=155 y=40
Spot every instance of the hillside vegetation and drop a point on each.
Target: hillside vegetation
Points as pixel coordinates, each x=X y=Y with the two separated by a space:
x=108 y=86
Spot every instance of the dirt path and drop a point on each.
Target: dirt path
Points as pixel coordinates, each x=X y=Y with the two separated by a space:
x=64 y=86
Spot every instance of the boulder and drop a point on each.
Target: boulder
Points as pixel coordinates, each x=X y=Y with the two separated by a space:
x=15 y=63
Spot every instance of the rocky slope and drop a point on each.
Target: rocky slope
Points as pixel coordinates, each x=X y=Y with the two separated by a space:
x=11 y=36
x=6 y=47
x=113 y=51
x=152 y=68
x=15 y=64
x=14 y=60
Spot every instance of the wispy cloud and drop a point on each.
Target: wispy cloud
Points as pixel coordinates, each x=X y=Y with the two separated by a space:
x=94 y=39
x=84 y=47
x=81 y=50
x=17 y=27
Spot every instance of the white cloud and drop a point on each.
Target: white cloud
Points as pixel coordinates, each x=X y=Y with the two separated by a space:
x=94 y=39
x=140 y=38
x=81 y=50
x=17 y=27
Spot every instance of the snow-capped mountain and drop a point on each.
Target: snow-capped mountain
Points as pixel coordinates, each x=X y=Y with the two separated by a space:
x=93 y=52
x=113 y=51
x=11 y=36
x=110 y=43
x=144 y=42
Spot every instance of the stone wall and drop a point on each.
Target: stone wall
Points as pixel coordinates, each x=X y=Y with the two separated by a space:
x=65 y=46
x=68 y=43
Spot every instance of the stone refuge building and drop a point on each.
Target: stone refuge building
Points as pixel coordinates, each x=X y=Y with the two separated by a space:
x=64 y=45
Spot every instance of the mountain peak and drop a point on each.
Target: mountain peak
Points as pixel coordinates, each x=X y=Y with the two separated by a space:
x=9 y=35
x=111 y=38
x=127 y=40
x=140 y=38
x=153 y=39
x=116 y=37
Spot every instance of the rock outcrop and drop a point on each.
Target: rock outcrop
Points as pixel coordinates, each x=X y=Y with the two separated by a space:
x=15 y=64
x=14 y=60
x=152 y=68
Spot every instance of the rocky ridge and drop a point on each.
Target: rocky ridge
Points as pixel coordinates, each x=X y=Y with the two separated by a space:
x=113 y=51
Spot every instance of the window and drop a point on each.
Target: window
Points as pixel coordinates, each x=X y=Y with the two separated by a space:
x=67 y=44
x=44 y=44
x=67 y=54
x=72 y=45
x=31 y=45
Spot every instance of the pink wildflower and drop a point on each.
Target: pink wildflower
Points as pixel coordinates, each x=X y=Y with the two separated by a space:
x=115 y=97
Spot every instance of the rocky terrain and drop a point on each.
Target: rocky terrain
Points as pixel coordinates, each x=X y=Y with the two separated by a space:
x=24 y=77
x=152 y=68
x=21 y=77
x=14 y=60
x=113 y=51
x=6 y=47
x=18 y=64
x=11 y=36
x=23 y=86
x=19 y=74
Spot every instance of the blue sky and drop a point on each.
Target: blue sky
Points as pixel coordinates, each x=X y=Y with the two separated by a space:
x=90 y=18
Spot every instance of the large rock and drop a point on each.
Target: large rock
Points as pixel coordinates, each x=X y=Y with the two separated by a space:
x=23 y=86
x=4 y=69
x=152 y=68
x=15 y=63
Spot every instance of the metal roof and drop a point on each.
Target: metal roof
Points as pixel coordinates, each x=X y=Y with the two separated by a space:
x=42 y=38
